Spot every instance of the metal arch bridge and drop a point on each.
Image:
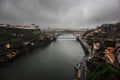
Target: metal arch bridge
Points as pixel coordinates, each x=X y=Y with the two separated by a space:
x=57 y=33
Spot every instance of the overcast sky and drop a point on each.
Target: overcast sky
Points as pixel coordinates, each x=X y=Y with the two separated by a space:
x=62 y=13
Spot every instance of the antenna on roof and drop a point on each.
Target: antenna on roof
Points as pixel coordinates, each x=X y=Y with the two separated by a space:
x=33 y=20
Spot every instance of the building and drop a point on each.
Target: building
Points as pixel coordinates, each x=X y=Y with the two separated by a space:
x=109 y=56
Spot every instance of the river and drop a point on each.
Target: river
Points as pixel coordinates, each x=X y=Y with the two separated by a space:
x=54 y=62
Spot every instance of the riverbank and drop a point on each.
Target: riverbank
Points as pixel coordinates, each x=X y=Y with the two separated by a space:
x=16 y=42
x=85 y=47
x=81 y=70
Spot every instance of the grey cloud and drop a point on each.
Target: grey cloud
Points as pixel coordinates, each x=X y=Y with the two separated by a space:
x=81 y=13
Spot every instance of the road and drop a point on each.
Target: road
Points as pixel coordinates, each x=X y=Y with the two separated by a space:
x=83 y=69
x=83 y=66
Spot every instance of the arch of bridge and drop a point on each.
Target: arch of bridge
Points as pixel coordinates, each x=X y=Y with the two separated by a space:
x=64 y=33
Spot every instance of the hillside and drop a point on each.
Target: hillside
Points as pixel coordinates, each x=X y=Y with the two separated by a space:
x=104 y=42
x=15 y=41
x=105 y=32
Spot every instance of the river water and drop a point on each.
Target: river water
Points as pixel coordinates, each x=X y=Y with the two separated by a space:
x=54 y=62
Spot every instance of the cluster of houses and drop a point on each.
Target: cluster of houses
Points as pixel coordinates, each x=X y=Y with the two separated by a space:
x=92 y=33
x=10 y=54
x=111 y=54
x=108 y=36
x=32 y=26
x=106 y=32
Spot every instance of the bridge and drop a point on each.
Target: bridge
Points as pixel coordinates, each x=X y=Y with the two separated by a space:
x=58 y=32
